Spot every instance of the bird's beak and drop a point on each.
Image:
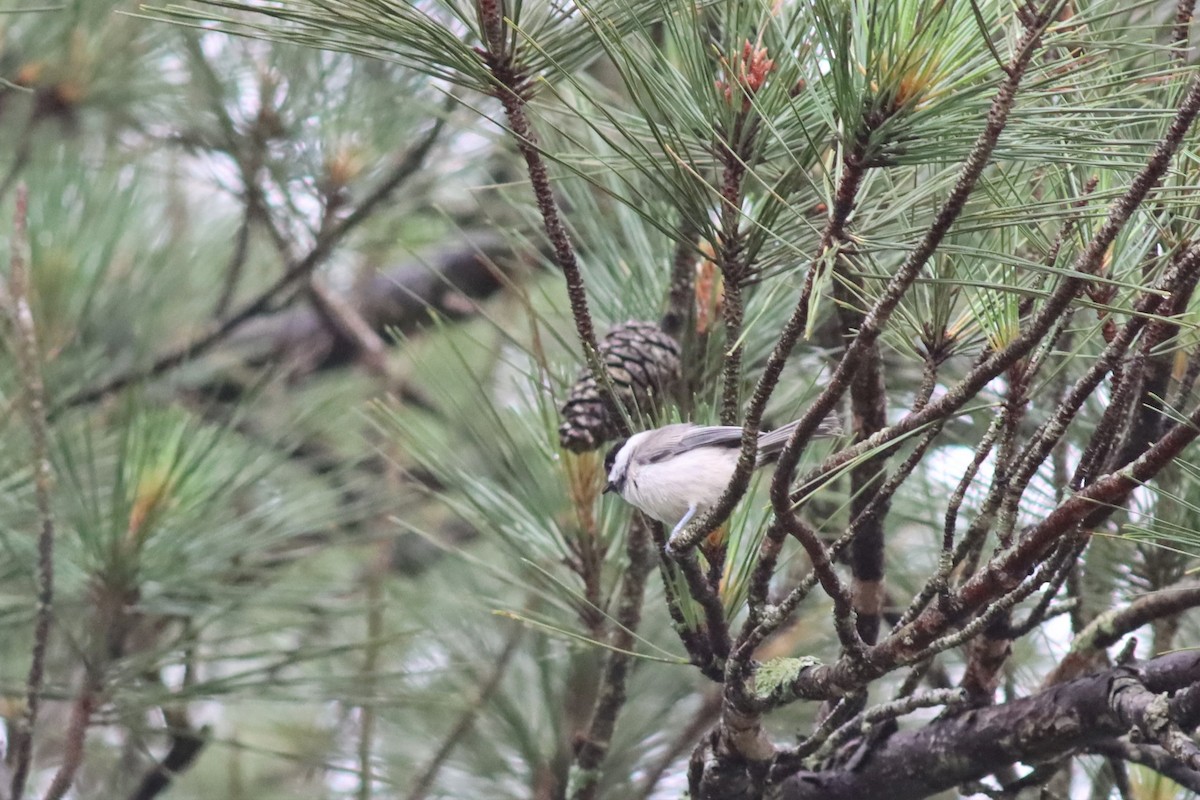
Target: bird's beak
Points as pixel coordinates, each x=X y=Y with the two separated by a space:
x=609 y=487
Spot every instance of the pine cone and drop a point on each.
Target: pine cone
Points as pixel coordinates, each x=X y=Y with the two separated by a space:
x=643 y=364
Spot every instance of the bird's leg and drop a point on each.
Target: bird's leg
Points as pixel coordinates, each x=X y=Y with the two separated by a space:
x=691 y=512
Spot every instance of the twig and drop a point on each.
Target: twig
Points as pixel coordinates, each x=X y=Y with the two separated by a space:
x=986 y=654
x=997 y=609
x=376 y=571
x=701 y=721
x=705 y=594
x=408 y=165
x=773 y=620
x=233 y=270
x=1043 y=611
x=788 y=761
x=86 y=703
x=186 y=746
x=891 y=710
x=1150 y=756
x=29 y=365
x=593 y=746
x=897 y=479
x=681 y=298
x=249 y=152
x=733 y=154
x=1108 y=628
x=1009 y=506
x=868 y=403
x=1157 y=356
x=1190 y=376
x=844 y=617
x=1114 y=422
x=345 y=320
x=21 y=156
x=939 y=581
x=698 y=647
x=491 y=683
x=1180 y=33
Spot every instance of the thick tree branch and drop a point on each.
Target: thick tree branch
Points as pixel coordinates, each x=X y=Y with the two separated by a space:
x=444 y=286
x=1151 y=714
x=971 y=745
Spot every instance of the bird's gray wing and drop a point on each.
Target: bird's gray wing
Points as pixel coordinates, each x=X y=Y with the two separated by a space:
x=663 y=443
x=671 y=440
x=728 y=436
x=712 y=436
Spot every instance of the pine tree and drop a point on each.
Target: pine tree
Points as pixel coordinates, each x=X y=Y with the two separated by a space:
x=322 y=315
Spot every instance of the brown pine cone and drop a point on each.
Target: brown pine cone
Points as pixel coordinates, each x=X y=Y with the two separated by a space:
x=643 y=365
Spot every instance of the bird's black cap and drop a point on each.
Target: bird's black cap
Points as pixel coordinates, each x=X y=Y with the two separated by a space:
x=609 y=459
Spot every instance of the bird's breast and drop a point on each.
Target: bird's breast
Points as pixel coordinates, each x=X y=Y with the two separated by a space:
x=667 y=489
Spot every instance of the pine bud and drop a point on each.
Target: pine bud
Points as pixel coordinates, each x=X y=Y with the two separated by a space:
x=643 y=365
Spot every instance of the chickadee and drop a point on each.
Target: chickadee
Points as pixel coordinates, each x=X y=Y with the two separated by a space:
x=675 y=471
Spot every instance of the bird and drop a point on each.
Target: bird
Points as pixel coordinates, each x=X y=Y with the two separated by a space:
x=674 y=472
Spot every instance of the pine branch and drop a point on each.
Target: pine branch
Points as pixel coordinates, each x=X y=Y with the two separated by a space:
x=1051 y=312
x=869 y=330
x=407 y=165
x=512 y=91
